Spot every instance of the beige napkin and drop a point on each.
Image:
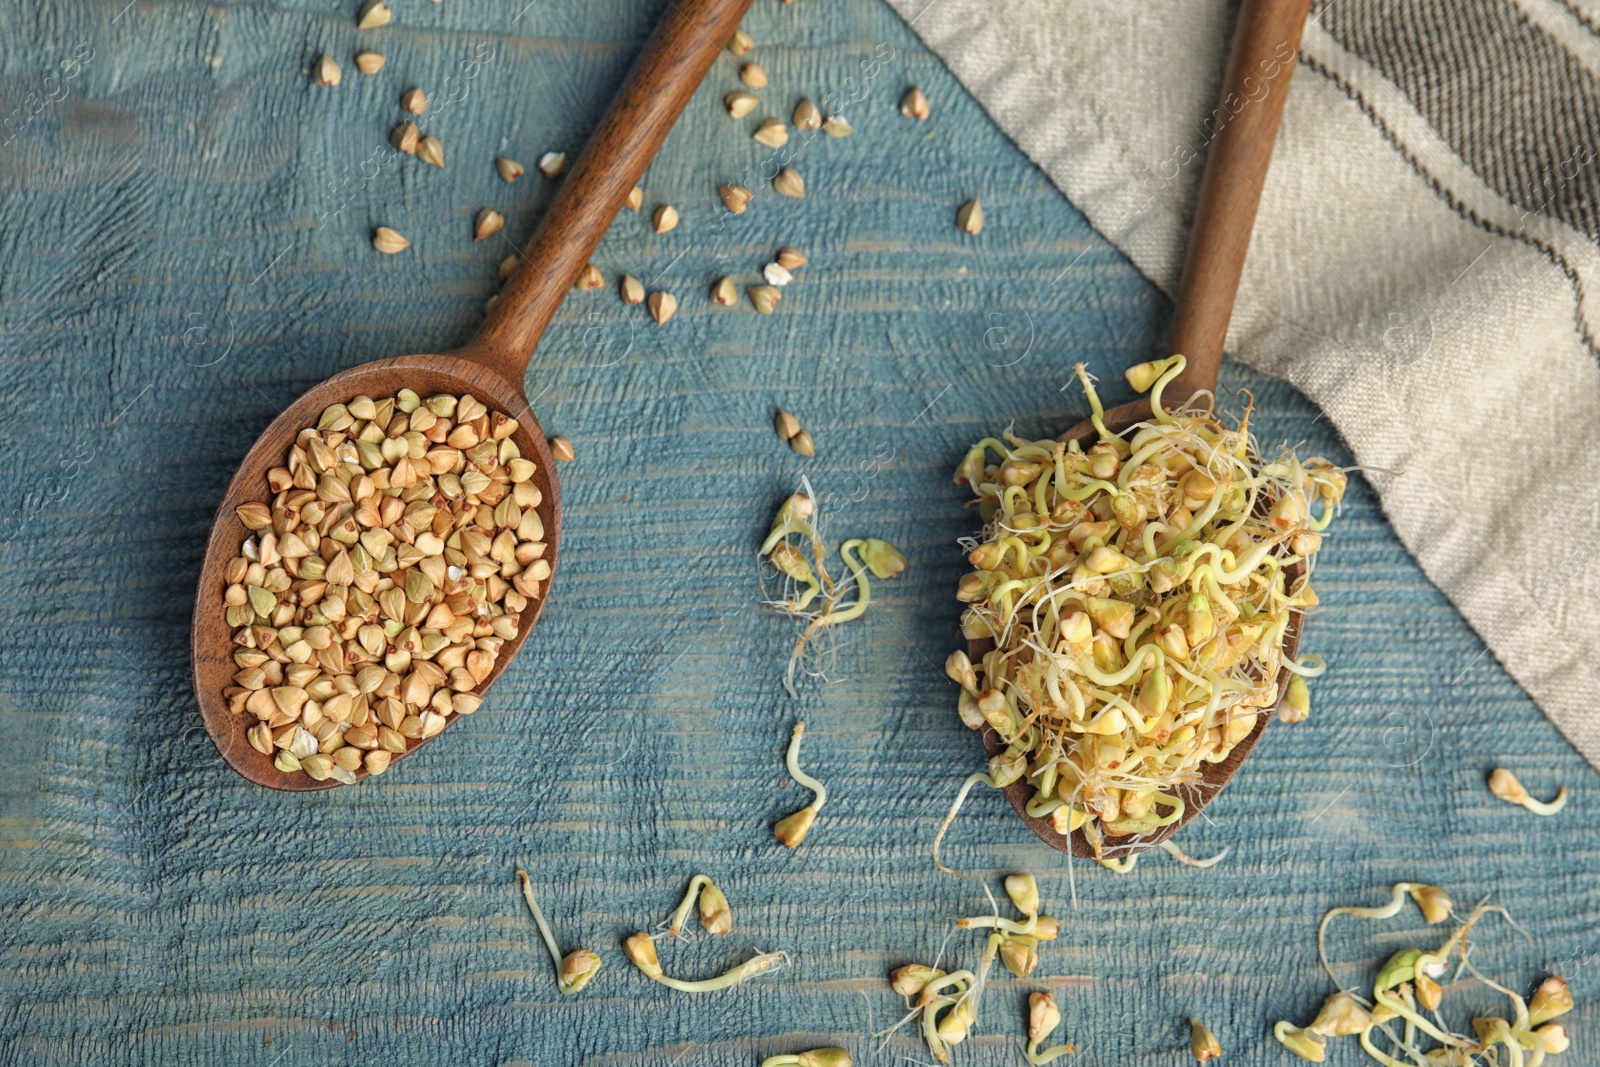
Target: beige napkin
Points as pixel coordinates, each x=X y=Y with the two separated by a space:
x=1425 y=266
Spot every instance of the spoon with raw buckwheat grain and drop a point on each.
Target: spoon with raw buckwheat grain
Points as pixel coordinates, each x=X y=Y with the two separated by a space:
x=389 y=541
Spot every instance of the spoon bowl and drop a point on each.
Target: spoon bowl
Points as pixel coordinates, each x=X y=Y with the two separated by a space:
x=212 y=644
x=491 y=366
x=1213 y=776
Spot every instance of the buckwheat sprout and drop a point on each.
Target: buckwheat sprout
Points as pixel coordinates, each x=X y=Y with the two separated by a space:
x=958 y=1012
x=832 y=1056
x=792 y=829
x=1504 y=784
x=792 y=563
x=714 y=913
x=1495 y=1031
x=1435 y=904
x=936 y=1031
x=1023 y=891
x=961 y=797
x=960 y=980
x=1097 y=414
x=1402 y=967
x=788 y=560
x=863 y=589
x=640 y=948
x=578 y=968
x=998 y=922
x=1043 y=1018
x=912 y=979
x=1309 y=666
x=1165 y=370
x=1308 y=1046
x=1189 y=861
x=1038 y=809
x=681 y=912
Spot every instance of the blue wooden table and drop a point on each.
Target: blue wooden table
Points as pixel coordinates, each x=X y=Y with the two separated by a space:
x=186 y=225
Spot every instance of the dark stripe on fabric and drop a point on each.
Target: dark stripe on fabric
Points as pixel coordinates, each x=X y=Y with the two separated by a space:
x=1505 y=96
x=1585 y=334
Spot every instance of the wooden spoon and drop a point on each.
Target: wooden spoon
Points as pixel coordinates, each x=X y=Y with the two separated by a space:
x=1265 y=43
x=490 y=366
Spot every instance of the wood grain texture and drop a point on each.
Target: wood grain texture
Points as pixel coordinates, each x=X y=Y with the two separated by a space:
x=159 y=910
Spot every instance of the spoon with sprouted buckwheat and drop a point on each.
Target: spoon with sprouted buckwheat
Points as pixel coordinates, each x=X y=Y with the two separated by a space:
x=1135 y=606
x=386 y=546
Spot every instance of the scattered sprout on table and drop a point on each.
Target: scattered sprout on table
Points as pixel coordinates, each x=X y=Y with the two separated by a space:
x=715 y=916
x=1043 y=1018
x=1189 y=861
x=1408 y=984
x=1504 y=784
x=803 y=562
x=832 y=1056
x=945 y=1004
x=640 y=949
x=1435 y=904
x=713 y=907
x=792 y=829
x=573 y=971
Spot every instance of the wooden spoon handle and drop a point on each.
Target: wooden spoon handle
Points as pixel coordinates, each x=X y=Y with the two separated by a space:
x=669 y=69
x=1266 y=41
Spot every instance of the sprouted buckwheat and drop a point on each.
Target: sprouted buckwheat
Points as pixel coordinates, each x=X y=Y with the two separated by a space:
x=807 y=579
x=1408 y=985
x=640 y=948
x=792 y=829
x=1504 y=784
x=574 y=970
x=1137 y=594
x=946 y=1004
x=381 y=580
x=1043 y=1018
